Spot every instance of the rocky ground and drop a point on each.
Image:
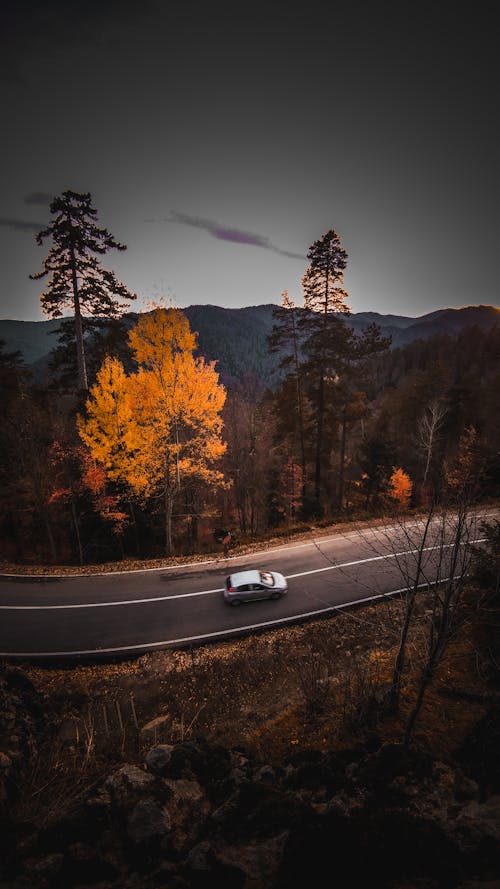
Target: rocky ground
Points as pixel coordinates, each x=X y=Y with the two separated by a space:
x=260 y=763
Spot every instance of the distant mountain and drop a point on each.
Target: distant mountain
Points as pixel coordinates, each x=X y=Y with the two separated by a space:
x=444 y=321
x=34 y=339
x=237 y=338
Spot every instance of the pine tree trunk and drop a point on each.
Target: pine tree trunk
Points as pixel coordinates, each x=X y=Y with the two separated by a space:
x=343 y=439
x=80 y=350
x=319 y=439
x=300 y=411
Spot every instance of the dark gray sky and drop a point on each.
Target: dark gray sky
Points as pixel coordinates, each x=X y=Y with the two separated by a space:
x=220 y=141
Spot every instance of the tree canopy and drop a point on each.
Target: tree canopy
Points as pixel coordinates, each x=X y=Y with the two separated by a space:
x=77 y=280
x=160 y=426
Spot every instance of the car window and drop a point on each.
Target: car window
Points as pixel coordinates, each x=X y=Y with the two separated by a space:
x=267 y=577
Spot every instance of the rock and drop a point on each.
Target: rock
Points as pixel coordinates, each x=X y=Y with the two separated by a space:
x=128 y=784
x=201 y=857
x=259 y=859
x=187 y=807
x=187 y=759
x=265 y=773
x=158 y=758
x=148 y=821
x=205 y=762
x=196 y=815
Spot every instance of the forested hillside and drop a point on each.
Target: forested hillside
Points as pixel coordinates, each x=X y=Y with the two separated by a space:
x=396 y=424
x=237 y=338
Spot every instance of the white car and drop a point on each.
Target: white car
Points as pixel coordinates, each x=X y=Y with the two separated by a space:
x=246 y=586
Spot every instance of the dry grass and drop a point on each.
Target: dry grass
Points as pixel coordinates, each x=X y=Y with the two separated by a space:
x=318 y=685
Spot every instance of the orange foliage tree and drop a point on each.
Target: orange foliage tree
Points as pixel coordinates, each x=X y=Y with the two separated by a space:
x=400 y=488
x=107 y=428
x=78 y=476
x=161 y=426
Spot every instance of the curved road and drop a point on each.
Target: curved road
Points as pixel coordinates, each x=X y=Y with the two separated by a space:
x=127 y=613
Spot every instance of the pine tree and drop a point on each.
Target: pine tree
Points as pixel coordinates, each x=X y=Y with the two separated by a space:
x=323 y=280
x=324 y=298
x=77 y=280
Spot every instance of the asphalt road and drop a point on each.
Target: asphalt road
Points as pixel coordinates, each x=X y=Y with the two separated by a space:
x=127 y=613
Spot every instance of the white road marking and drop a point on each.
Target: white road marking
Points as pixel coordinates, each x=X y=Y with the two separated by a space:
x=106 y=604
x=219 y=590
x=207 y=637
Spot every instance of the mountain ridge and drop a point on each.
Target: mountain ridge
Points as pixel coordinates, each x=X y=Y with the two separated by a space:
x=237 y=338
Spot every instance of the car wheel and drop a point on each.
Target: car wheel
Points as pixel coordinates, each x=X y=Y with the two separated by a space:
x=275 y=596
x=235 y=601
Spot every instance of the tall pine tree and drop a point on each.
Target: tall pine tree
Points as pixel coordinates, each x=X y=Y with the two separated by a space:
x=324 y=298
x=77 y=280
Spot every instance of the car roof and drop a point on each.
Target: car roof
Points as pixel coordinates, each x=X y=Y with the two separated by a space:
x=241 y=577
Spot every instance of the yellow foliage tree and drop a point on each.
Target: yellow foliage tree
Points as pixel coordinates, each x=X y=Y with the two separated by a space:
x=400 y=488
x=173 y=402
x=160 y=337
x=107 y=429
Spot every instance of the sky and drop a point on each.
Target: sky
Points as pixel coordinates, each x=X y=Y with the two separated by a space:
x=220 y=141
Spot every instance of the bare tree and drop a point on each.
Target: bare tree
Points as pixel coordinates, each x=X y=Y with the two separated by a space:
x=432 y=557
x=428 y=433
x=446 y=593
x=413 y=580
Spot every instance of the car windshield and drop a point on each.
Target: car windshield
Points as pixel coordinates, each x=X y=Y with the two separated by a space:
x=267 y=577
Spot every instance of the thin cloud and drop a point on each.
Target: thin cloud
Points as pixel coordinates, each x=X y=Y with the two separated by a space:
x=41 y=198
x=228 y=233
x=20 y=225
